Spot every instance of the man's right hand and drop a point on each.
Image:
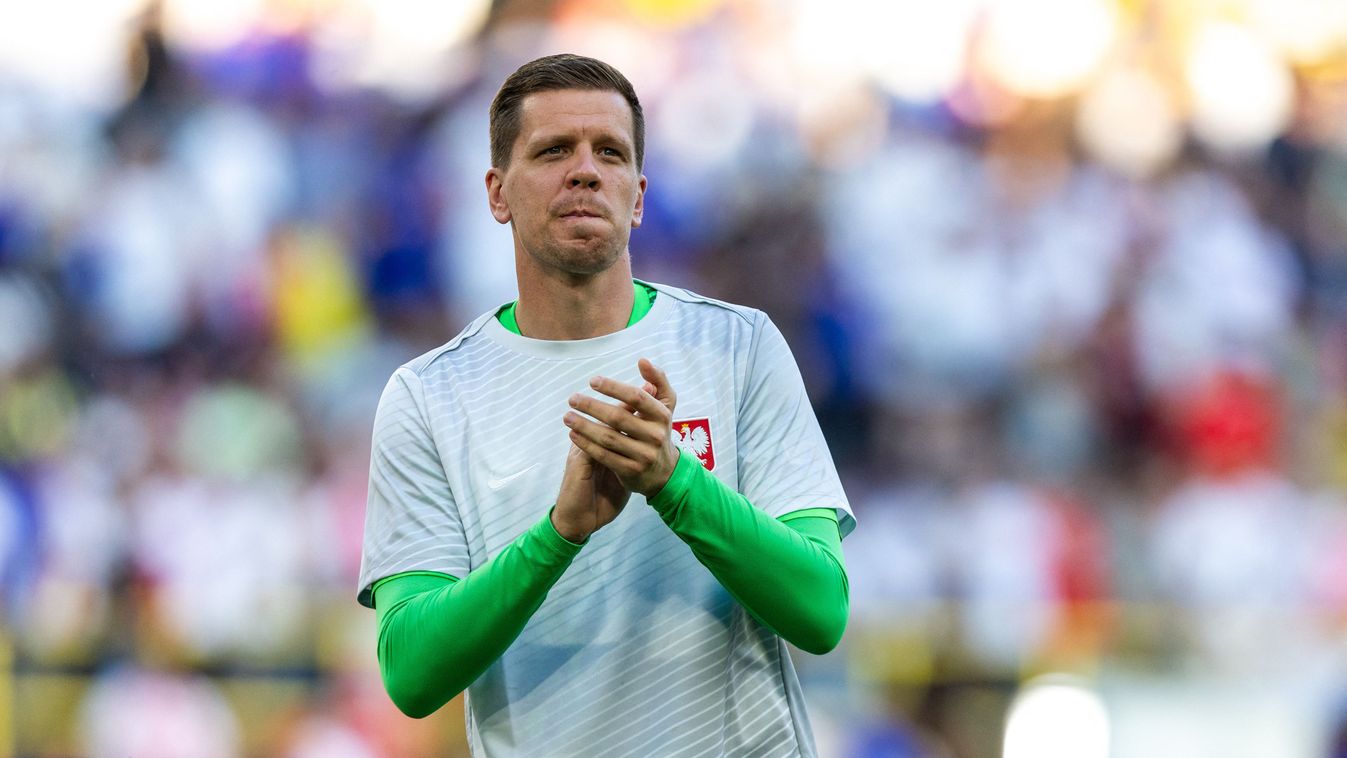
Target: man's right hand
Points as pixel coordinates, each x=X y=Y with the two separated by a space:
x=591 y=497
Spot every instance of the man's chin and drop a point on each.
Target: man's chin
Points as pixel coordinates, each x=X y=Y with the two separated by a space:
x=588 y=267
x=582 y=259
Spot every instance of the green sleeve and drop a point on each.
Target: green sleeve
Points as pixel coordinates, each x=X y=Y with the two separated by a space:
x=788 y=573
x=437 y=633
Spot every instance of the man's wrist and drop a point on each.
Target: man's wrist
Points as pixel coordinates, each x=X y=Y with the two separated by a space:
x=566 y=532
x=679 y=481
x=661 y=482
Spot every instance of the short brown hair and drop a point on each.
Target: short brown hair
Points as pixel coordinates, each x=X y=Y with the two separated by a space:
x=554 y=72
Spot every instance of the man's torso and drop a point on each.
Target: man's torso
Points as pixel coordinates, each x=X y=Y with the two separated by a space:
x=637 y=650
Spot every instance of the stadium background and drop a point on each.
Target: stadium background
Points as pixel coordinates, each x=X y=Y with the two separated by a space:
x=1067 y=280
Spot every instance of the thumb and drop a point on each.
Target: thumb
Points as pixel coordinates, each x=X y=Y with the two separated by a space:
x=580 y=463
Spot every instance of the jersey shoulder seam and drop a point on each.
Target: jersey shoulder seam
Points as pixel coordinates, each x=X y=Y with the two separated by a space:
x=420 y=363
x=749 y=315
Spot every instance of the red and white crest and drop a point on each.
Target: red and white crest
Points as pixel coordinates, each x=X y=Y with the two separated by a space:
x=694 y=436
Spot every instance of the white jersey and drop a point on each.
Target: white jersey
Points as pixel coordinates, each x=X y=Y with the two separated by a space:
x=637 y=650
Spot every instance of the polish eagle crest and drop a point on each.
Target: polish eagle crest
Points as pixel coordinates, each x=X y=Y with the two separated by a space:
x=694 y=436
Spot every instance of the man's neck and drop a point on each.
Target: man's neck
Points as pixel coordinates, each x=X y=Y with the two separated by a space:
x=561 y=306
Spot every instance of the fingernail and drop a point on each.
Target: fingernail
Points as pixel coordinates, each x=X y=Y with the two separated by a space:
x=568 y=419
x=575 y=399
x=595 y=381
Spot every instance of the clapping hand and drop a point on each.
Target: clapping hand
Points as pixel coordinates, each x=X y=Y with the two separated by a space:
x=632 y=437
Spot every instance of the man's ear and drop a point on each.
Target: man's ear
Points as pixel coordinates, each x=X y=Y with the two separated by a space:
x=639 y=210
x=495 y=196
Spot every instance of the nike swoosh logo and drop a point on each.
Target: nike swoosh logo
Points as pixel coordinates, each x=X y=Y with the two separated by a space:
x=496 y=484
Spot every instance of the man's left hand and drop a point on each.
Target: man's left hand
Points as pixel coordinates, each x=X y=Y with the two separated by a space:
x=632 y=437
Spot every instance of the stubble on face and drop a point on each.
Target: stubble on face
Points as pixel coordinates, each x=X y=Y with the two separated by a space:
x=589 y=247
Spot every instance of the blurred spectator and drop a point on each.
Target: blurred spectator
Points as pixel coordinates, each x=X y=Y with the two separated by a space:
x=1092 y=414
x=136 y=712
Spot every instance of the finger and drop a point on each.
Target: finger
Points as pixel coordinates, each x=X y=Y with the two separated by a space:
x=603 y=456
x=620 y=418
x=648 y=388
x=640 y=401
x=662 y=389
x=635 y=451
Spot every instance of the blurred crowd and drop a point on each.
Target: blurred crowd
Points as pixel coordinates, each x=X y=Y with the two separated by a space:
x=1089 y=422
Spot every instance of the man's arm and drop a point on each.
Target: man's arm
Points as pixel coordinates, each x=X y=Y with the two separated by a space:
x=437 y=633
x=792 y=583
x=787 y=572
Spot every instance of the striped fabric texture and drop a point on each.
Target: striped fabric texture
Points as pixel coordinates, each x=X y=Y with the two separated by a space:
x=638 y=650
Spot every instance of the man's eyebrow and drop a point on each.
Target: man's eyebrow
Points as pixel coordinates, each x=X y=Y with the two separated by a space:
x=566 y=138
x=613 y=139
x=551 y=138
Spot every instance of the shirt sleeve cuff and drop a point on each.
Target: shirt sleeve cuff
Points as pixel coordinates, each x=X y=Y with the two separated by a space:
x=548 y=537
x=680 y=481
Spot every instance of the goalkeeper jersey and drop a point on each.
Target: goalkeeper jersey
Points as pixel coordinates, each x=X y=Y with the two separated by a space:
x=637 y=650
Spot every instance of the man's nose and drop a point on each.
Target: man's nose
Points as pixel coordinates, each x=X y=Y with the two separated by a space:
x=584 y=172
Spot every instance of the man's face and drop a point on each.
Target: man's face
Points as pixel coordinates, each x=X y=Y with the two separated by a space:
x=572 y=187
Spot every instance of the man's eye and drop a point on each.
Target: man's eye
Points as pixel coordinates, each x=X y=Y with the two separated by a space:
x=553 y=150
x=612 y=151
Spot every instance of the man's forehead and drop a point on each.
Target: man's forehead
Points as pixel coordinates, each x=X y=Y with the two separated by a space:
x=567 y=109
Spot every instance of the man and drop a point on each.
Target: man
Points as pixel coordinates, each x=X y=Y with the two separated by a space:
x=620 y=585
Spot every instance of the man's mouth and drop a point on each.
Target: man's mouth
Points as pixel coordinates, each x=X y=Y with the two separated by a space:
x=580 y=214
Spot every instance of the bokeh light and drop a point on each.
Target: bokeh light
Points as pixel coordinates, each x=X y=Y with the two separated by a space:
x=1306 y=31
x=1056 y=717
x=1047 y=48
x=70 y=50
x=1126 y=120
x=401 y=46
x=1242 y=92
x=828 y=37
x=206 y=24
x=917 y=51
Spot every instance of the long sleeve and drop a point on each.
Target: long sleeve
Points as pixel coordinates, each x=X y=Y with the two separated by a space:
x=787 y=572
x=438 y=633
